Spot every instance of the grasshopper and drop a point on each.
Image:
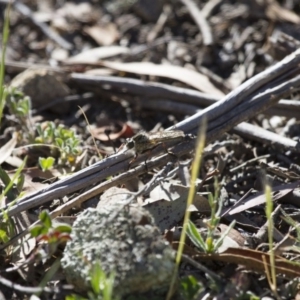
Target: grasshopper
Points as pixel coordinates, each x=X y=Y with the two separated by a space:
x=144 y=141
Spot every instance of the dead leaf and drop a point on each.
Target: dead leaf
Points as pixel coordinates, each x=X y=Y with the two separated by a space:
x=237 y=77
x=276 y=12
x=234 y=234
x=166 y=213
x=82 y=12
x=100 y=72
x=31 y=173
x=228 y=242
x=7 y=149
x=168 y=204
x=277 y=193
x=104 y=35
x=14 y=161
x=200 y=202
x=173 y=192
x=253 y=260
x=100 y=132
x=189 y=77
x=96 y=54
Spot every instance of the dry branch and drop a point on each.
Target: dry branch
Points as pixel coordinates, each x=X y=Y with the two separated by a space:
x=163 y=94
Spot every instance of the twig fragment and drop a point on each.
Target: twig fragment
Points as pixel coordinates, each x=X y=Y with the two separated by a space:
x=200 y=21
x=25 y=10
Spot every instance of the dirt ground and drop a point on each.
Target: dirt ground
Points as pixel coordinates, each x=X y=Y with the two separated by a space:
x=98 y=73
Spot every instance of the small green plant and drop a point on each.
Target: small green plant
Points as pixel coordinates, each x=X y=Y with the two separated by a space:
x=19 y=105
x=248 y=296
x=101 y=286
x=52 y=234
x=14 y=186
x=210 y=244
x=190 y=288
x=13 y=190
x=46 y=163
x=101 y=283
x=49 y=236
x=295 y=225
x=7 y=228
x=61 y=138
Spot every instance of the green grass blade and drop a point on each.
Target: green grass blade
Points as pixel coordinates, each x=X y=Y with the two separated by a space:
x=5 y=35
x=200 y=144
x=195 y=236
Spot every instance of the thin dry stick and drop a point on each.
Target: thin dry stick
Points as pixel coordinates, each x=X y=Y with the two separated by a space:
x=159 y=24
x=265 y=137
x=142 y=88
x=18 y=66
x=208 y=7
x=199 y=266
x=158 y=93
x=27 y=289
x=200 y=21
x=48 y=31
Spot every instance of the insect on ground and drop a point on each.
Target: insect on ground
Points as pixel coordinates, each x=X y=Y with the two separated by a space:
x=144 y=141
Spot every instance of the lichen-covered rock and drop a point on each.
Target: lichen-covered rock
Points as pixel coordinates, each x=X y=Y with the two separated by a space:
x=130 y=245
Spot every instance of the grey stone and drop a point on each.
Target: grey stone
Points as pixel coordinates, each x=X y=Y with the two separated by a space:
x=43 y=87
x=130 y=245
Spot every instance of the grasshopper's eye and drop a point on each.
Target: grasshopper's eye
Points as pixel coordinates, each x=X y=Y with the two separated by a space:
x=130 y=143
x=140 y=138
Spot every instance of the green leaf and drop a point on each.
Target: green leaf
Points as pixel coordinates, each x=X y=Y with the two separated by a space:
x=38 y=230
x=45 y=219
x=291 y=222
x=109 y=287
x=46 y=163
x=20 y=182
x=97 y=274
x=11 y=182
x=195 y=236
x=24 y=106
x=4 y=177
x=3 y=236
x=74 y=297
x=39 y=129
x=59 y=142
x=5 y=35
x=66 y=228
x=39 y=140
x=190 y=287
